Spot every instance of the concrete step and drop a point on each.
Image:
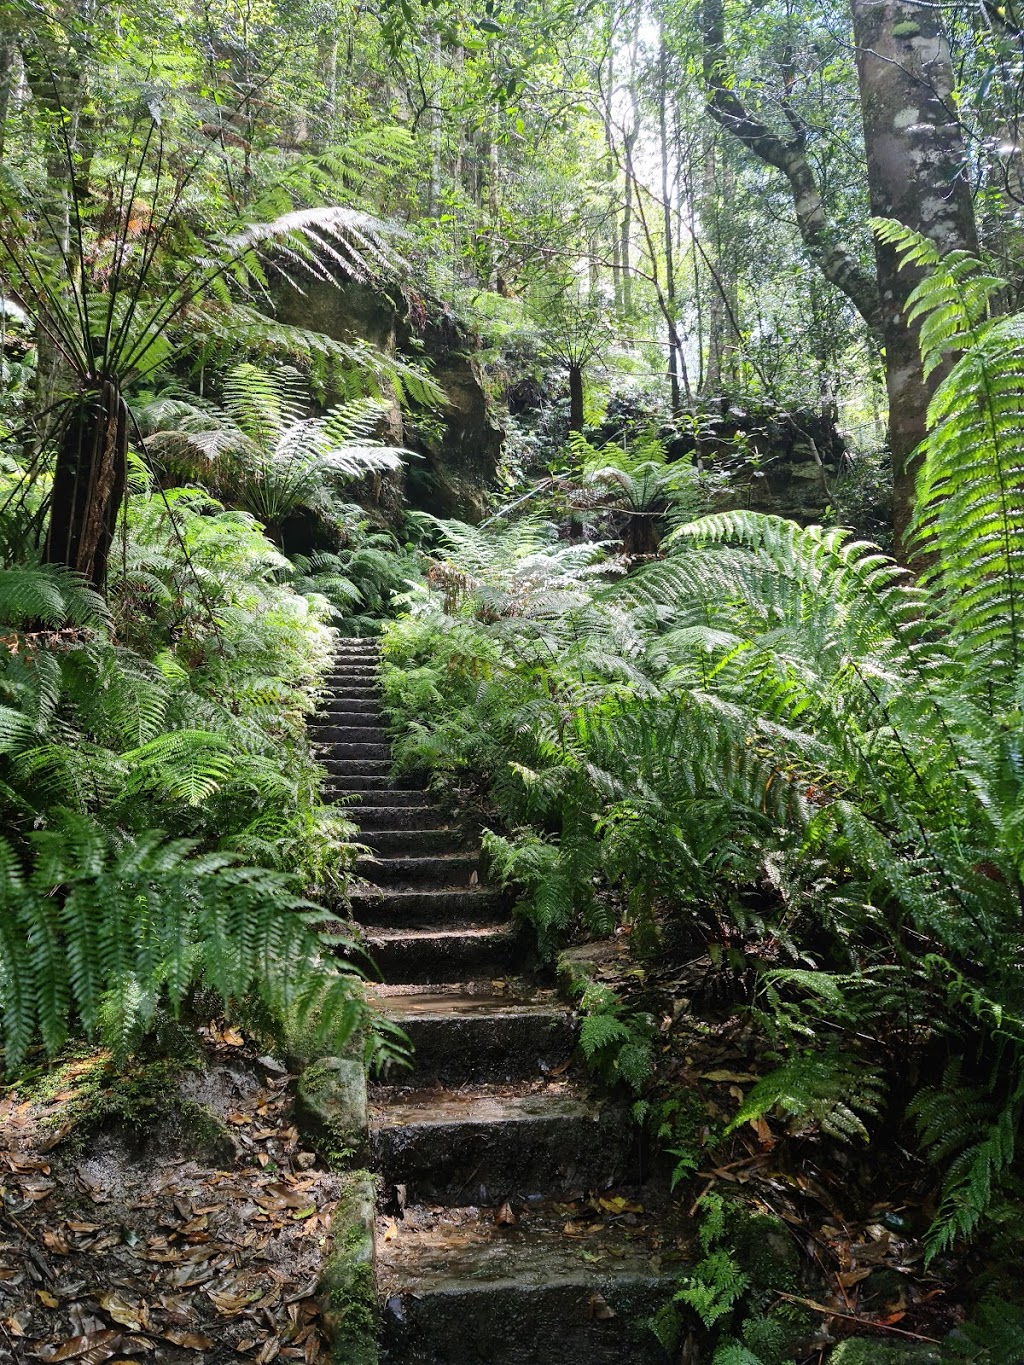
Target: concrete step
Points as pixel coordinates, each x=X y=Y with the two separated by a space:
x=368 y=705
x=489 y=1144
x=438 y=869
x=368 y=718
x=422 y=909
x=335 y=732
x=470 y=1032
x=374 y=784
x=434 y=953
x=354 y=768
x=338 y=749
x=430 y=840
x=400 y=816
x=357 y=692
x=460 y=1289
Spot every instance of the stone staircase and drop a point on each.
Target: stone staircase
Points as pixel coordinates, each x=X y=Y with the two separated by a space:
x=496 y=1244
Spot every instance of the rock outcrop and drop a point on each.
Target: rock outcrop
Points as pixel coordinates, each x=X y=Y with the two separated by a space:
x=460 y=446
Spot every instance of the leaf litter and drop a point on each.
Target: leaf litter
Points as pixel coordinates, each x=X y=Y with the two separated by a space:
x=121 y=1246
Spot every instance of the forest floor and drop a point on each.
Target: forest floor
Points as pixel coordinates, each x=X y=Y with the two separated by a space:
x=168 y=1214
x=857 y=1215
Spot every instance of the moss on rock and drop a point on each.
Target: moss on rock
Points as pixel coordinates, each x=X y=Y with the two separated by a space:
x=347 y=1284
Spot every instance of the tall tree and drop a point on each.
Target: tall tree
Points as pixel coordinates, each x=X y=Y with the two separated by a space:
x=917 y=173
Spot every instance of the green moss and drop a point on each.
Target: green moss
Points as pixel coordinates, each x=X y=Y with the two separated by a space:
x=872 y=1351
x=347 y=1281
x=907 y=29
x=330 y=1106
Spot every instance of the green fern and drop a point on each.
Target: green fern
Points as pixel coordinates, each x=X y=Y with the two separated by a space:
x=99 y=929
x=828 y=1091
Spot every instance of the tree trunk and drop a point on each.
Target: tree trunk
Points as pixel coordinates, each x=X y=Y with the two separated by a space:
x=575 y=397
x=89 y=484
x=834 y=257
x=916 y=174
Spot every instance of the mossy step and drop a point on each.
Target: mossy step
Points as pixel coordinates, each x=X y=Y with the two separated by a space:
x=420 y=909
x=492 y=1144
x=462 y=1290
x=470 y=1032
x=432 y=839
x=350 y=713
x=421 y=955
x=452 y=870
x=374 y=791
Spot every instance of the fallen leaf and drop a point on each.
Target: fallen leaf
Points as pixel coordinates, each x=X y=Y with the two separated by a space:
x=739 y=1076
x=600 y=1310
x=617 y=1204
x=55 y=1241
x=92 y=1349
x=47 y=1299
x=123 y=1311
x=192 y=1341
x=390 y=1230
x=504 y=1217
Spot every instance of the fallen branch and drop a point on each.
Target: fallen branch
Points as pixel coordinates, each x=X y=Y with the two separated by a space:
x=852 y=1317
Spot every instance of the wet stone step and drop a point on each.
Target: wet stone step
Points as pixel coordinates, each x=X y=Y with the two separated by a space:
x=460 y=1289
x=466 y=1035
x=410 y=909
x=423 y=955
x=486 y=1146
x=357 y=692
x=431 y=840
x=335 y=749
x=332 y=706
x=355 y=781
x=385 y=816
x=369 y=717
x=379 y=792
x=450 y=870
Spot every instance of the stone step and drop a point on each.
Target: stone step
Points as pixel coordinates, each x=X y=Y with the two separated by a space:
x=354 y=693
x=360 y=768
x=330 y=730
x=342 y=715
x=471 y=1032
x=421 y=909
x=491 y=1144
x=383 y=816
x=437 y=869
x=355 y=672
x=429 y=840
x=338 y=749
x=421 y=955
x=356 y=782
x=460 y=1289
x=366 y=706
x=375 y=791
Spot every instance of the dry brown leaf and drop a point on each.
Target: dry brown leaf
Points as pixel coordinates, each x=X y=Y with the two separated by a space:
x=122 y=1310
x=390 y=1230
x=192 y=1341
x=55 y=1241
x=92 y=1348
x=504 y=1217
x=269 y=1351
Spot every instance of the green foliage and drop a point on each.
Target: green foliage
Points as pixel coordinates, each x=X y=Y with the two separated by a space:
x=826 y=1093
x=101 y=928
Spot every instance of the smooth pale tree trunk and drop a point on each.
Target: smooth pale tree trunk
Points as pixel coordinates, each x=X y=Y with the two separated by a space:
x=917 y=173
